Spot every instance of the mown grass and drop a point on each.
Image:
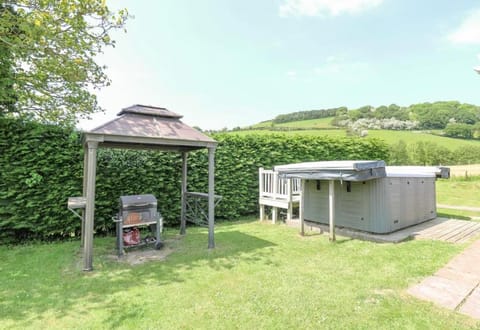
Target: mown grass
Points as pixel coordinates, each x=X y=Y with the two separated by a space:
x=459 y=192
x=458 y=214
x=260 y=276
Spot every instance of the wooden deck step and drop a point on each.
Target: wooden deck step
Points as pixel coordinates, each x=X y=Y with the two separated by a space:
x=454 y=231
x=448 y=230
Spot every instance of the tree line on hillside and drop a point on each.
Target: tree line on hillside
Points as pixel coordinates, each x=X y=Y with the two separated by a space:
x=309 y=114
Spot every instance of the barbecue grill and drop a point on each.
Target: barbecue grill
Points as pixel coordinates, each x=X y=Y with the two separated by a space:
x=137 y=211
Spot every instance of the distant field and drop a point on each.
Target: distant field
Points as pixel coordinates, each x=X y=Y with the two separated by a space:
x=310 y=123
x=262 y=124
x=318 y=132
x=465 y=170
x=416 y=136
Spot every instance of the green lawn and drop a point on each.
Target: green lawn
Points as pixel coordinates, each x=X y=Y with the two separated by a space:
x=260 y=276
x=458 y=214
x=457 y=191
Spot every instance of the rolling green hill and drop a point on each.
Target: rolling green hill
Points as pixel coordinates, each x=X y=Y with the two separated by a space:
x=301 y=124
x=323 y=126
x=407 y=147
x=391 y=137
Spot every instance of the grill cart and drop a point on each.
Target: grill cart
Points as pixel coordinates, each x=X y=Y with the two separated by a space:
x=138 y=211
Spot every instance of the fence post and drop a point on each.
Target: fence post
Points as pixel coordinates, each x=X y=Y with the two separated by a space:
x=275 y=193
x=290 y=199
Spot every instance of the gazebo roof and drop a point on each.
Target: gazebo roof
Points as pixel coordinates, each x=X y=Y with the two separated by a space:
x=149 y=127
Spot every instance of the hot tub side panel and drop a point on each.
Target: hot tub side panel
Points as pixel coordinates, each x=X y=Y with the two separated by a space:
x=316 y=201
x=352 y=203
x=353 y=207
x=378 y=206
x=410 y=200
x=379 y=216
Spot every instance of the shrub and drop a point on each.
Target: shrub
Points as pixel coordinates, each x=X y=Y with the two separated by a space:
x=463 y=131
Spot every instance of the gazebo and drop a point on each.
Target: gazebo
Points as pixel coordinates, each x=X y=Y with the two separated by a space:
x=143 y=127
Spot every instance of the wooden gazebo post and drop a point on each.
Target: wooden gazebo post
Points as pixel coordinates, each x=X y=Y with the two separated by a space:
x=91 y=165
x=211 y=197
x=183 y=198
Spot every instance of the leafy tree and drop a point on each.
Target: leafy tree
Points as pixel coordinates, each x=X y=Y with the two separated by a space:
x=465 y=116
x=7 y=92
x=463 y=131
x=476 y=130
x=48 y=48
x=382 y=112
x=399 y=154
x=354 y=115
x=398 y=112
x=418 y=153
x=366 y=111
x=467 y=155
x=340 y=115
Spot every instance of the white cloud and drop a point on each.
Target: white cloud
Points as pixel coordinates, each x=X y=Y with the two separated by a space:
x=292 y=74
x=340 y=67
x=325 y=7
x=469 y=30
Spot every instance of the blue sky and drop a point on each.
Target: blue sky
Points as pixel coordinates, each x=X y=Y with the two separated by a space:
x=228 y=63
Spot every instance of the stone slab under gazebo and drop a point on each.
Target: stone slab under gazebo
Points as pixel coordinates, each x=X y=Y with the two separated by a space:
x=142 y=127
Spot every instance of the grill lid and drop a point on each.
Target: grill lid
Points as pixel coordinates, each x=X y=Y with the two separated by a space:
x=136 y=201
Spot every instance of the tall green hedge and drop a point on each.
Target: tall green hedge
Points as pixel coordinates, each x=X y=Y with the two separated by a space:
x=41 y=166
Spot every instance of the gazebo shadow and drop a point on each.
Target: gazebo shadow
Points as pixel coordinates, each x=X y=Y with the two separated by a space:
x=111 y=277
x=232 y=247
